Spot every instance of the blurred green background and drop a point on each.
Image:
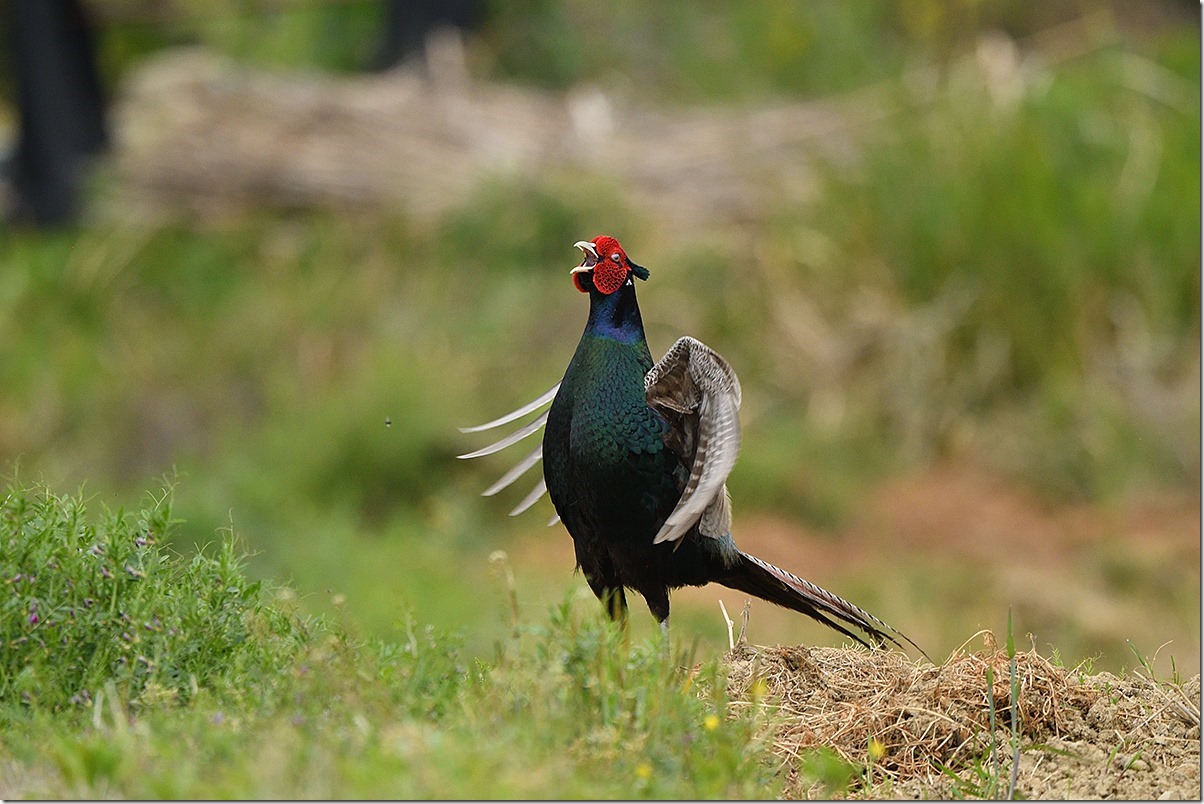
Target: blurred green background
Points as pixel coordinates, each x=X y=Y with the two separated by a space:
x=970 y=358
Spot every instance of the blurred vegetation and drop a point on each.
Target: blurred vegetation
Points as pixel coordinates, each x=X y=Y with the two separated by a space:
x=1044 y=236
x=1006 y=273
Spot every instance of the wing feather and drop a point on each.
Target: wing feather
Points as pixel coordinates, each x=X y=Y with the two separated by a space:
x=513 y=438
x=532 y=406
x=532 y=458
x=532 y=497
x=695 y=382
x=516 y=472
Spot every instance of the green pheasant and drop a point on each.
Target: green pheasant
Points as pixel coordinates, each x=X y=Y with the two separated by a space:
x=636 y=456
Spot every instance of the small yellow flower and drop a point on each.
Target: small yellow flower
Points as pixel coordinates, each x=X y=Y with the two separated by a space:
x=711 y=723
x=877 y=749
x=643 y=771
x=757 y=690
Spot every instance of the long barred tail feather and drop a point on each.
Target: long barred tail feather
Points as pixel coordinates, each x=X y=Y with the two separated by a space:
x=760 y=578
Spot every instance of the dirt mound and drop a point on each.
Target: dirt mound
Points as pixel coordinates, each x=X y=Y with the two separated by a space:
x=915 y=730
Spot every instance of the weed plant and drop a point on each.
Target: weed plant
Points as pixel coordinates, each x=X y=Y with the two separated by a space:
x=96 y=601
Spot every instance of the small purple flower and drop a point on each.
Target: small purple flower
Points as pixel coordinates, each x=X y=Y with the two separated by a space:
x=33 y=618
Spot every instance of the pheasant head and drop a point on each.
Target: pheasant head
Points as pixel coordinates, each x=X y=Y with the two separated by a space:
x=605 y=266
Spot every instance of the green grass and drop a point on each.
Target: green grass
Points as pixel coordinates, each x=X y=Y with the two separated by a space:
x=103 y=604
x=172 y=677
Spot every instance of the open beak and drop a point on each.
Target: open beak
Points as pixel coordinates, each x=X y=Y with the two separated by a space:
x=589 y=256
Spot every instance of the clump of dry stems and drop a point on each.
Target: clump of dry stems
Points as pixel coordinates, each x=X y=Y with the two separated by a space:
x=902 y=720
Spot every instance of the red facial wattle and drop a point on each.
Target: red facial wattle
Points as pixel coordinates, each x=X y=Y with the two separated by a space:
x=605 y=262
x=609 y=276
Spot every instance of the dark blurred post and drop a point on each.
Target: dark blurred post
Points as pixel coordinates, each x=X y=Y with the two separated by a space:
x=407 y=22
x=61 y=106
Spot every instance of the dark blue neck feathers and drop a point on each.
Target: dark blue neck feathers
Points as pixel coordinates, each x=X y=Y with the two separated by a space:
x=615 y=315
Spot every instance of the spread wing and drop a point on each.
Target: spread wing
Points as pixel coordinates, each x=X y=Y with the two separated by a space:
x=527 y=462
x=698 y=393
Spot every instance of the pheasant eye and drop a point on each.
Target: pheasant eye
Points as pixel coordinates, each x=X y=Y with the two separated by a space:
x=615 y=256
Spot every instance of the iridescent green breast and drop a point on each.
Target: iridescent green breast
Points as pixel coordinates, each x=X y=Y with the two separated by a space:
x=604 y=448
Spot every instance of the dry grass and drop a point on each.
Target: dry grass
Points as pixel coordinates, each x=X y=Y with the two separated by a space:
x=912 y=729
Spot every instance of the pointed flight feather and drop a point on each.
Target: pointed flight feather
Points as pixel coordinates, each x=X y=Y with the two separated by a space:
x=540 y=489
x=515 y=437
x=530 y=407
x=515 y=473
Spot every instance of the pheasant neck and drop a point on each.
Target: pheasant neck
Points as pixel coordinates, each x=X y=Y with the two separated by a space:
x=616 y=315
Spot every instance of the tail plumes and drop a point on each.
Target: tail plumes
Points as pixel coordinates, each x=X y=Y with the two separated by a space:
x=764 y=580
